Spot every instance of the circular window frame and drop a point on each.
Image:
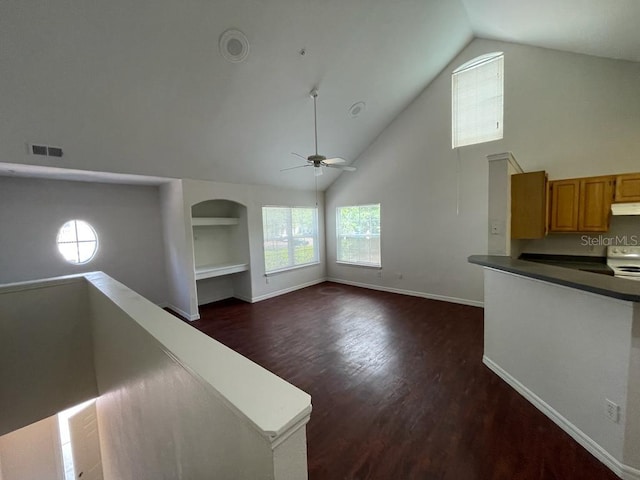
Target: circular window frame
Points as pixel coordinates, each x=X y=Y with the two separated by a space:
x=79 y=258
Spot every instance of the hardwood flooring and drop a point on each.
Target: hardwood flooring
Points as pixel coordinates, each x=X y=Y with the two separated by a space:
x=398 y=388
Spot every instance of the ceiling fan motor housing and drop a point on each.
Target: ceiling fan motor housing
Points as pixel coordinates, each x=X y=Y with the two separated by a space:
x=316 y=159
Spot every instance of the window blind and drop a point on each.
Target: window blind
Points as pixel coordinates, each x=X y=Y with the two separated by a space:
x=478 y=100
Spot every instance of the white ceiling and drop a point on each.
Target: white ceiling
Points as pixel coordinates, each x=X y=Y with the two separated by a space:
x=140 y=87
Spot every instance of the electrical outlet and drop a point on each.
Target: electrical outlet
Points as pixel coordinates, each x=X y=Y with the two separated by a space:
x=611 y=410
x=399 y=275
x=379 y=274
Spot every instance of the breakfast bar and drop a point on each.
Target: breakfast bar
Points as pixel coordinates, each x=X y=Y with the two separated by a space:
x=568 y=340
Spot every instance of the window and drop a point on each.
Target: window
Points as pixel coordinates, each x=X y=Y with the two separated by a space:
x=358 y=232
x=77 y=242
x=290 y=237
x=477 y=100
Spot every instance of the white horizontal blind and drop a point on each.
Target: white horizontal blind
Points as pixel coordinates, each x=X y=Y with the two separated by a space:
x=358 y=232
x=478 y=100
x=290 y=237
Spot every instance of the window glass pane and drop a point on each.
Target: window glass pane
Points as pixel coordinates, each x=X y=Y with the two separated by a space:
x=68 y=232
x=290 y=237
x=69 y=251
x=85 y=232
x=86 y=251
x=358 y=231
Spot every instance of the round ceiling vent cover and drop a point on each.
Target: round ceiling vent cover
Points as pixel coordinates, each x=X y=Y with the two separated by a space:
x=234 y=46
x=356 y=109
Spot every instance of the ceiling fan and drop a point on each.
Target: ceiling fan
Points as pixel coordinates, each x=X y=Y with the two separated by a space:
x=318 y=161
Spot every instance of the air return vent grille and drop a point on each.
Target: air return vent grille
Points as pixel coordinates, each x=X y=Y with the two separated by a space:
x=44 y=150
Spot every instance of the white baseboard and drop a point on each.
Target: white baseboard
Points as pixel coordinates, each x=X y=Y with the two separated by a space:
x=623 y=471
x=286 y=290
x=183 y=314
x=430 y=296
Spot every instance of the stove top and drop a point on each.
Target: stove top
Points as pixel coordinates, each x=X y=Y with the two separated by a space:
x=624 y=261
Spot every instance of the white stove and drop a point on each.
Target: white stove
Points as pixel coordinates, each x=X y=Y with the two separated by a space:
x=624 y=261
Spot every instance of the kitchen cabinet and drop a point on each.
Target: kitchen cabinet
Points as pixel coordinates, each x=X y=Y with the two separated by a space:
x=564 y=204
x=627 y=188
x=529 y=197
x=581 y=204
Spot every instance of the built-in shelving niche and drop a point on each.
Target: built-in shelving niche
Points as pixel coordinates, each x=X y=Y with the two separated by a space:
x=221 y=250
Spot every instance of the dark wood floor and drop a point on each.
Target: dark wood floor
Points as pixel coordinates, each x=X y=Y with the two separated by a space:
x=398 y=388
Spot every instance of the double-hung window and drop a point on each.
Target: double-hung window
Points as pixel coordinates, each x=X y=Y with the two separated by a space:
x=477 y=100
x=358 y=232
x=290 y=237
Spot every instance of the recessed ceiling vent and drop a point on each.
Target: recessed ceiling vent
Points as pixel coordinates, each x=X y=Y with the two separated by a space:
x=356 y=109
x=234 y=46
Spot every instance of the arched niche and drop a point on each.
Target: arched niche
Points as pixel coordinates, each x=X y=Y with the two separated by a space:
x=221 y=250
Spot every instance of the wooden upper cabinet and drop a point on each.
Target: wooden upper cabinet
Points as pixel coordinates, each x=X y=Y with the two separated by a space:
x=564 y=205
x=627 y=188
x=529 y=205
x=596 y=195
x=581 y=204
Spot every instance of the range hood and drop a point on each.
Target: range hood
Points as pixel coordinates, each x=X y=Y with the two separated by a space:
x=625 y=208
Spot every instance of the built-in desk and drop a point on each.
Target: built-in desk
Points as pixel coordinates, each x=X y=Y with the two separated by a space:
x=569 y=342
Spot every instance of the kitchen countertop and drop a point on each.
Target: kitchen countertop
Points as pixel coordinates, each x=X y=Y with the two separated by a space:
x=576 y=262
x=606 y=285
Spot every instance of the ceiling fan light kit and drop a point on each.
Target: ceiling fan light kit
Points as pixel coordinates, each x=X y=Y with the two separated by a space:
x=318 y=161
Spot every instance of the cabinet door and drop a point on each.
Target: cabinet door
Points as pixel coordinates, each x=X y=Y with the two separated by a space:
x=596 y=194
x=565 y=198
x=529 y=205
x=628 y=188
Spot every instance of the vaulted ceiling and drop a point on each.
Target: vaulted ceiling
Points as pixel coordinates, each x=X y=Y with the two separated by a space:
x=141 y=87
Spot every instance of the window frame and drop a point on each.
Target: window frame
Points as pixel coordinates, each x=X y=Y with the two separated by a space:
x=291 y=237
x=482 y=134
x=377 y=235
x=77 y=242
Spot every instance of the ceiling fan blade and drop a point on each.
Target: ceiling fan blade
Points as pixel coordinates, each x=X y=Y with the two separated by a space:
x=292 y=168
x=298 y=155
x=346 y=168
x=334 y=160
x=317 y=171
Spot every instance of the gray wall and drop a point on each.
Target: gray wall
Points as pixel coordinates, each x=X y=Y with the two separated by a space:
x=46 y=361
x=156 y=418
x=126 y=218
x=571 y=115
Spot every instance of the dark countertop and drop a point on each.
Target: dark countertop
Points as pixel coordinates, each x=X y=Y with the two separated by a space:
x=576 y=262
x=606 y=285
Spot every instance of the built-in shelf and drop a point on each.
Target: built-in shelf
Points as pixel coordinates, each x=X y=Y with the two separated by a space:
x=210 y=271
x=213 y=221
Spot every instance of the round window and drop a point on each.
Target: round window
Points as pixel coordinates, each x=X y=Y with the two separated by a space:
x=77 y=242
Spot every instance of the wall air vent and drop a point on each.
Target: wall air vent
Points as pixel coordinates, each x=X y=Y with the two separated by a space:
x=44 y=150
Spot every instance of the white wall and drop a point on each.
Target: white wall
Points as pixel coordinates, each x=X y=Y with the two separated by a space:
x=126 y=218
x=254 y=286
x=175 y=403
x=32 y=452
x=45 y=351
x=180 y=295
x=571 y=115
x=567 y=351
